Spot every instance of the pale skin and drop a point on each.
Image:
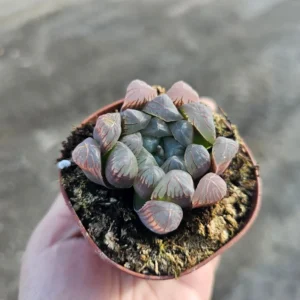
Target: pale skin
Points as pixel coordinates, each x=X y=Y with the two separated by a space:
x=59 y=264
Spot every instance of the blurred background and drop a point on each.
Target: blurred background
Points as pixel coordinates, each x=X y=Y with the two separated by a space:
x=60 y=60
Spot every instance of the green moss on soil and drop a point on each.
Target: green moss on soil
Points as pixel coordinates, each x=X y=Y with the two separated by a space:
x=110 y=220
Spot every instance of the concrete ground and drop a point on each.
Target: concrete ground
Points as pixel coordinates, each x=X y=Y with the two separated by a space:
x=61 y=60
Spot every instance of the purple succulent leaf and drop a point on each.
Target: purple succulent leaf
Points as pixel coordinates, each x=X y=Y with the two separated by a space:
x=134 y=120
x=173 y=163
x=223 y=151
x=87 y=156
x=138 y=94
x=145 y=159
x=150 y=143
x=163 y=108
x=176 y=186
x=134 y=142
x=172 y=147
x=160 y=217
x=201 y=117
x=183 y=132
x=146 y=180
x=211 y=189
x=121 y=166
x=197 y=160
x=209 y=102
x=182 y=93
x=107 y=131
x=156 y=128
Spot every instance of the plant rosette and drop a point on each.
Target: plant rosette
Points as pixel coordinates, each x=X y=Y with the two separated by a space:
x=158 y=182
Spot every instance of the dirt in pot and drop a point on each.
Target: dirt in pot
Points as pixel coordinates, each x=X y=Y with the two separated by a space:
x=110 y=220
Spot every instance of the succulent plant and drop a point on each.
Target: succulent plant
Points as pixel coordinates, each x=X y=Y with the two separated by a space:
x=164 y=146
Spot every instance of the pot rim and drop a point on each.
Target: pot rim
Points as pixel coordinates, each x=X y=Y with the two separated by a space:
x=250 y=220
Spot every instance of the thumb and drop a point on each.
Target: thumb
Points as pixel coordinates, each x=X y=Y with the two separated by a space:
x=57 y=225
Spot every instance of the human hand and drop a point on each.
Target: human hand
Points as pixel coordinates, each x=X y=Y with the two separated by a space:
x=59 y=264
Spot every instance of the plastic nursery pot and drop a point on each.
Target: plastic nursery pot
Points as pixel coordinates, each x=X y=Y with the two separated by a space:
x=256 y=201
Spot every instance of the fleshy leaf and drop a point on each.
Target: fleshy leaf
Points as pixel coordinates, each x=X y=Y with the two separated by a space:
x=183 y=132
x=145 y=159
x=87 y=156
x=150 y=143
x=223 y=151
x=176 y=186
x=160 y=151
x=201 y=117
x=121 y=167
x=182 y=93
x=197 y=160
x=134 y=120
x=107 y=131
x=200 y=140
x=163 y=108
x=134 y=142
x=209 y=102
x=172 y=147
x=146 y=180
x=211 y=189
x=159 y=160
x=137 y=94
x=157 y=128
x=173 y=163
x=160 y=217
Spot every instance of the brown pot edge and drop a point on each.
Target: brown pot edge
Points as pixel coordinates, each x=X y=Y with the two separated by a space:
x=251 y=218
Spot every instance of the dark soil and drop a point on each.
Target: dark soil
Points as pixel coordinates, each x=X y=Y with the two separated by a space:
x=109 y=218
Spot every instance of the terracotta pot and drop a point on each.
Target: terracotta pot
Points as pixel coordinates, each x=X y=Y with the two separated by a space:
x=256 y=201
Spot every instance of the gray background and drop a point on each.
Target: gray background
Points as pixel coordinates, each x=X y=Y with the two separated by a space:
x=61 y=60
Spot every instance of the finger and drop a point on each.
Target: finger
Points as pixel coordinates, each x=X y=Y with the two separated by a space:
x=203 y=279
x=67 y=270
x=197 y=285
x=57 y=225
